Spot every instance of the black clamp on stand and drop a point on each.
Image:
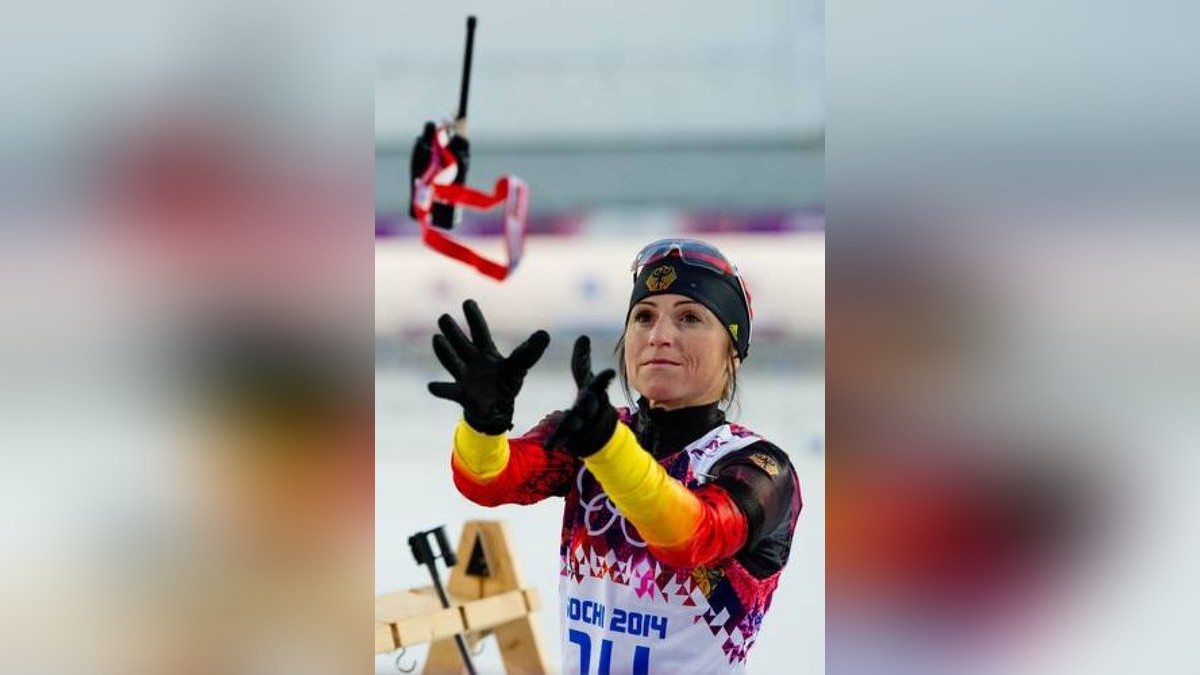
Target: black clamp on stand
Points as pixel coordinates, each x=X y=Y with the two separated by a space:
x=424 y=555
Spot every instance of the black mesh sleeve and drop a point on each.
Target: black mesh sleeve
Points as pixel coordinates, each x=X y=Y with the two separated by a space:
x=760 y=480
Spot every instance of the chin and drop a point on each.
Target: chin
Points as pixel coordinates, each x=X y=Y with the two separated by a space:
x=659 y=392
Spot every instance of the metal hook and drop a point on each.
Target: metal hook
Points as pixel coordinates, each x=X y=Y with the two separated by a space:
x=401 y=668
x=478 y=648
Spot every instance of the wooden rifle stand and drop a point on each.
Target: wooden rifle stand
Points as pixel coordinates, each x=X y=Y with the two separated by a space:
x=488 y=596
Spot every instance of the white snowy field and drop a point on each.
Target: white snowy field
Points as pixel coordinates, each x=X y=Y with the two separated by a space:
x=414 y=491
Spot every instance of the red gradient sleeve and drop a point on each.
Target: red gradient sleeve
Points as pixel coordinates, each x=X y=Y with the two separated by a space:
x=528 y=475
x=719 y=531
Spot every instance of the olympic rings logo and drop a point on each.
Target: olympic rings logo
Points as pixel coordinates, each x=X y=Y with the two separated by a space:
x=603 y=505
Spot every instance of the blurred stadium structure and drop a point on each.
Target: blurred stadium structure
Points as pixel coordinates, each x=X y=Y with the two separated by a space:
x=696 y=123
x=630 y=122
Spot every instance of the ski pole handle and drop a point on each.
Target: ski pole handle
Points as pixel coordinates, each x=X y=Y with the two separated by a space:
x=466 y=73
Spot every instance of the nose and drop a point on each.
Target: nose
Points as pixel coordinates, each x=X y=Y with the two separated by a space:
x=662 y=333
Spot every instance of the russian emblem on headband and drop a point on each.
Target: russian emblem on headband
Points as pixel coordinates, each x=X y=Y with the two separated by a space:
x=661 y=278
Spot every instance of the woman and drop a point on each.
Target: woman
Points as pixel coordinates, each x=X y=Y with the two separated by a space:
x=677 y=523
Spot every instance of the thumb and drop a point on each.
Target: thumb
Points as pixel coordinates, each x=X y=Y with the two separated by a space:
x=528 y=352
x=600 y=383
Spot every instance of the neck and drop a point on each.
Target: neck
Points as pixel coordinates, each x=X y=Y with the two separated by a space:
x=677 y=405
x=666 y=430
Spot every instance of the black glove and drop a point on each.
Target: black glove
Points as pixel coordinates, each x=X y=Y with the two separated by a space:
x=591 y=421
x=485 y=383
x=441 y=214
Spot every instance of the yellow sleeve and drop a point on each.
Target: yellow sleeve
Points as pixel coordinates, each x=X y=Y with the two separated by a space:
x=482 y=456
x=664 y=511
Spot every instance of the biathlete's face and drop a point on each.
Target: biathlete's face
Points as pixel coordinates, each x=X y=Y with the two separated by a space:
x=677 y=353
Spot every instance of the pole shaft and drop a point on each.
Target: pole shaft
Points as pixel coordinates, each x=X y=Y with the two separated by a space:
x=466 y=73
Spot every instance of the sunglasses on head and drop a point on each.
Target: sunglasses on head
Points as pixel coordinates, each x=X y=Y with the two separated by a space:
x=690 y=251
x=695 y=253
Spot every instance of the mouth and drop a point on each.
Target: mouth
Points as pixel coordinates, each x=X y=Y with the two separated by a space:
x=660 y=362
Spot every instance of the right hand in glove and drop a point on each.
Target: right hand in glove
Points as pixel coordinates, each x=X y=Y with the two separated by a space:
x=485 y=384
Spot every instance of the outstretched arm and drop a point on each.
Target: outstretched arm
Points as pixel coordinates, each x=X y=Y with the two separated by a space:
x=488 y=467
x=495 y=470
x=683 y=527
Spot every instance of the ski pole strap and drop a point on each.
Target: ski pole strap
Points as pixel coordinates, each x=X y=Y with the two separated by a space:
x=436 y=185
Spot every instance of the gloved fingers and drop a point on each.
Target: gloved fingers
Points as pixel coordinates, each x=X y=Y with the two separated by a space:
x=480 y=334
x=458 y=340
x=581 y=361
x=600 y=383
x=528 y=352
x=447 y=390
x=449 y=358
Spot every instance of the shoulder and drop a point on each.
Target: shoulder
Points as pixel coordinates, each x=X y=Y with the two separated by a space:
x=762 y=455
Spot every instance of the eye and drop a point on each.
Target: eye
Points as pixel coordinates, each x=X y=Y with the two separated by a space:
x=643 y=316
x=690 y=317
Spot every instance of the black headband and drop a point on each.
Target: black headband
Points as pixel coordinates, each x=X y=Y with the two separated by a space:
x=720 y=293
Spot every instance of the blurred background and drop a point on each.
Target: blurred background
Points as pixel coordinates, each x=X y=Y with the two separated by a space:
x=630 y=122
x=1012 y=366
x=185 y=388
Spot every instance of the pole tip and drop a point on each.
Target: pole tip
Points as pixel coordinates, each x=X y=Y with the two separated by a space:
x=471 y=21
